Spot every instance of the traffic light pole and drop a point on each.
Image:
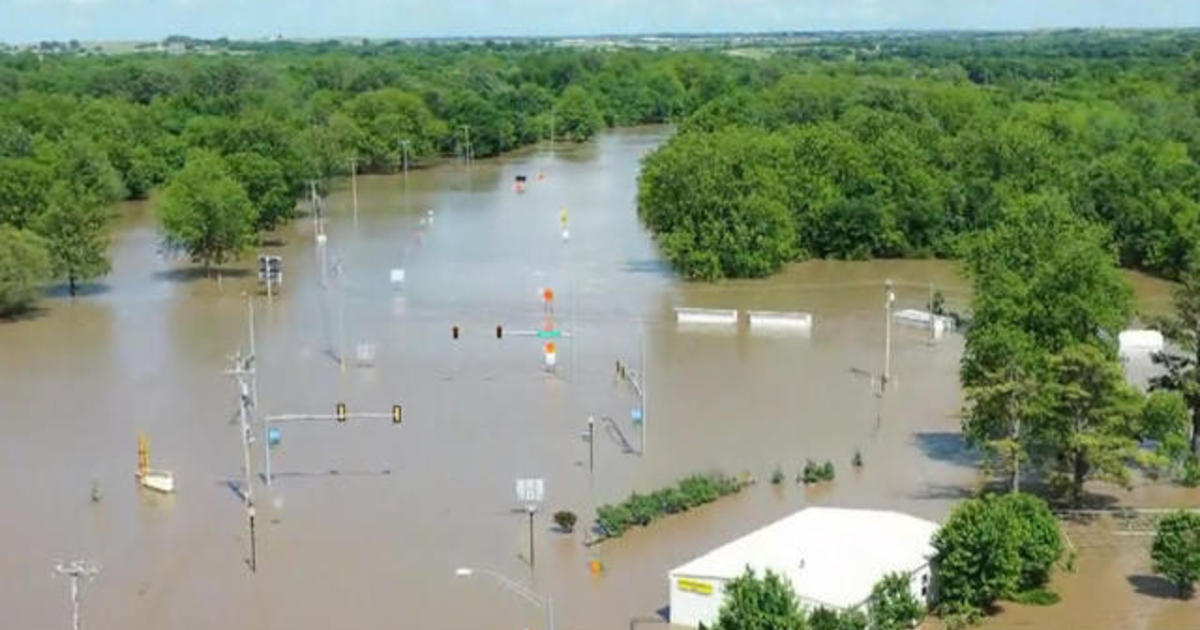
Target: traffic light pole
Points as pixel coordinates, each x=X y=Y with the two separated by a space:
x=267 y=421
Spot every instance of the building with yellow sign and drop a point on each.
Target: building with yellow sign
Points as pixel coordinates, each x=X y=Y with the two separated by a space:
x=831 y=556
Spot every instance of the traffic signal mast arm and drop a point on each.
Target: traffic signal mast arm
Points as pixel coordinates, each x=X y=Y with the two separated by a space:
x=324 y=417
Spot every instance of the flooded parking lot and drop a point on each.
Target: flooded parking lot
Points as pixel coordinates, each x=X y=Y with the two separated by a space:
x=365 y=523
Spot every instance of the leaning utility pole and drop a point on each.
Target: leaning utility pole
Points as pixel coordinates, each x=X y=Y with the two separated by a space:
x=243 y=372
x=76 y=569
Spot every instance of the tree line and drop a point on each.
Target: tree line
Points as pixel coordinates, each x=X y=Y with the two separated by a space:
x=233 y=137
x=916 y=144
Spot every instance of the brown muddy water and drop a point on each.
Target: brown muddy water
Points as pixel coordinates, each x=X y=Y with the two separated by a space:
x=376 y=543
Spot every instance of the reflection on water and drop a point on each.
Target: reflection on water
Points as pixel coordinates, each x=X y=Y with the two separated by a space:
x=366 y=523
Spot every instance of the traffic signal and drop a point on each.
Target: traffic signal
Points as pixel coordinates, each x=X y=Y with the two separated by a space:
x=454 y=331
x=499 y=331
x=341 y=412
x=397 y=414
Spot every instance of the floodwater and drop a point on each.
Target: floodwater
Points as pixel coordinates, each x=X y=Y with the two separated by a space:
x=366 y=522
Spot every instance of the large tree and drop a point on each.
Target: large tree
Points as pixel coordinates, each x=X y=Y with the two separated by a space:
x=977 y=555
x=1176 y=550
x=205 y=213
x=753 y=603
x=75 y=226
x=576 y=116
x=1093 y=420
x=24 y=267
x=1182 y=363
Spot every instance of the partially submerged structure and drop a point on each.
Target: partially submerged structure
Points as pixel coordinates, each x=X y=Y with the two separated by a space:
x=833 y=558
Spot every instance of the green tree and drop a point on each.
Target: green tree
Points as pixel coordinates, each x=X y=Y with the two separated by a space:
x=1181 y=365
x=1176 y=550
x=752 y=603
x=205 y=213
x=1039 y=537
x=977 y=556
x=892 y=605
x=24 y=183
x=1000 y=402
x=576 y=116
x=1094 y=413
x=24 y=267
x=826 y=619
x=717 y=203
x=76 y=233
x=262 y=179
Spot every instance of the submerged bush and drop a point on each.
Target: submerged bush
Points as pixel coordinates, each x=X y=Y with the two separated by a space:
x=642 y=509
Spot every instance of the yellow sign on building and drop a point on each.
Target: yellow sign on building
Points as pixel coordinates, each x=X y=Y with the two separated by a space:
x=695 y=586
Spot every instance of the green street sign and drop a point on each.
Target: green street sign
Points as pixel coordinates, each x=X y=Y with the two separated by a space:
x=549 y=334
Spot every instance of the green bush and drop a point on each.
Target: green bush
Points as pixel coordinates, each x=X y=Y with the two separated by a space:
x=1037 y=597
x=1176 y=550
x=565 y=519
x=1040 y=540
x=642 y=509
x=1191 y=472
x=777 y=476
x=857 y=460
x=816 y=473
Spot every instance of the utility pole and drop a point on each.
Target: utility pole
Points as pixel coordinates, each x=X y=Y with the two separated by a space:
x=404 y=155
x=467 y=148
x=932 y=316
x=354 y=186
x=243 y=372
x=530 y=509
x=76 y=569
x=889 y=297
x=591 y=445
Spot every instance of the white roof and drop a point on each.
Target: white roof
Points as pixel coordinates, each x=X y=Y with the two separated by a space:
x=833 y=556
x=1140 y=340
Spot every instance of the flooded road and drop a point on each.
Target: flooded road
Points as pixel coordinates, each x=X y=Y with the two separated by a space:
x=366 y=522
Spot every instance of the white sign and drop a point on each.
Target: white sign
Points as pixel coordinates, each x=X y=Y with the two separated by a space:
x=397 y=276
x=531 y=490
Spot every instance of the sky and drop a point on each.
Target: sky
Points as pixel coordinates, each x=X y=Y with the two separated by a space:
x=24 y=21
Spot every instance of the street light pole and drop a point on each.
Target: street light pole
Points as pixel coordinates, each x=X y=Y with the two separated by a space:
x=546 y=602
x=75 y=570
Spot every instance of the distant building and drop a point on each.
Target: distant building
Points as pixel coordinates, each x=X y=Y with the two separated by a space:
x=832 y=557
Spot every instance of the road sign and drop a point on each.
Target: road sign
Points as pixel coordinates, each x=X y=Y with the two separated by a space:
x=274 y=435
x=531 y=490
x=636 y=414
x=549 y=334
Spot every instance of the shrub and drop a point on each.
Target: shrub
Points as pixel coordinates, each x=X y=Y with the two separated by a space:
x=814 y=472
x=977 y=556
x=1036 y=597
x=642 y=509
x=1039 y=539
x=777 y=476
x=1191 y=472
x=857 y=461
x=1176 y=550
x=565 y=520
x=892 y=605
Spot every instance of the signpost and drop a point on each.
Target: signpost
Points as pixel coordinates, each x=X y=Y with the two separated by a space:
x=531 y=492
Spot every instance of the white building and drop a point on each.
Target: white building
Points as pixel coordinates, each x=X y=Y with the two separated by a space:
x=832 y=557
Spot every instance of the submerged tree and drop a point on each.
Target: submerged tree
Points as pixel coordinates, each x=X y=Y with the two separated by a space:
x=1091 y=425
x=1182 y=366
x=76 y=231
x=24 y=267
x=205 y=213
